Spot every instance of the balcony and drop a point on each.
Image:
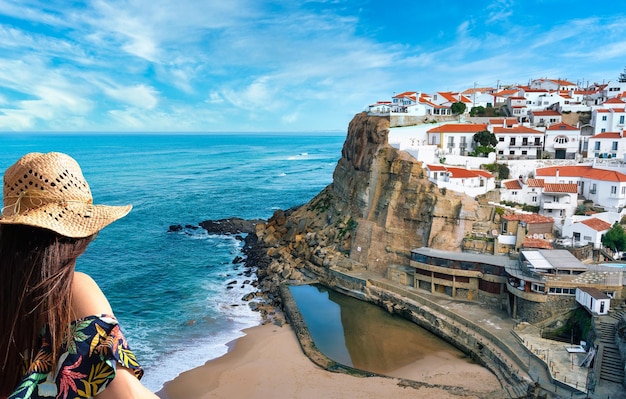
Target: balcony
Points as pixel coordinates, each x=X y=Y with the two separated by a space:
x=555 y=205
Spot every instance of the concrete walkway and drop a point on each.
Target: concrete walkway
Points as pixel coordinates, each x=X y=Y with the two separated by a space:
x=520 y=345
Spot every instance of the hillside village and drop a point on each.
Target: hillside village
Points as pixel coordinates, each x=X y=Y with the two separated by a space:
x=549 y=160
x=559 y=154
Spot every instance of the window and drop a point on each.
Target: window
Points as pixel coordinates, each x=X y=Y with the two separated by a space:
x=597 y=146
x=535 y=198
x=501 y=139
x=613 y=189
x=603 y=130
x=500 y=152
x=512 y=142
x=538 y=287
x=560 y=139
x=621 y=119
x=604 y=117
x=624 y=190
x=524 y=152
x=513 y=192
x=614 y=147
x=511 y=152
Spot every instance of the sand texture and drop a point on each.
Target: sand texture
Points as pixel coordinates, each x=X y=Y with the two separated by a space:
x=269 y=363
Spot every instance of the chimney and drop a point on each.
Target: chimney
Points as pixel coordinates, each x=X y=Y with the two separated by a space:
x=557 y=175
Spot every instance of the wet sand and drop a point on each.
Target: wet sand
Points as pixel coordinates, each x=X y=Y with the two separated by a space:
x=268 y=362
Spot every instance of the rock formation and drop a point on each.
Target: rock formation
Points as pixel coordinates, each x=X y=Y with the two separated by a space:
x=379 y=206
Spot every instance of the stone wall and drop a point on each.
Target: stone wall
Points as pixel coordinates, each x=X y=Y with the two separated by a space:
x=534 y=312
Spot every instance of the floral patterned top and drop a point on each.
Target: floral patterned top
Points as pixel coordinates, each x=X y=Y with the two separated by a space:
x=86 y=365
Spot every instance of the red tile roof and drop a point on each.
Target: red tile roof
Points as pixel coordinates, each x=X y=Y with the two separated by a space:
x=537 y=243
x=546 y=113
x=596 y=224
x=505 y=93
x=512 y=184
x=437 y=168
x=560 y=188
x=607 y=135
x=614 y=100
x=562 y=126
x=579 y=171
x=516 y=130
x=406 y=94
x=530 y=218
x=460 y=173
x=535 y=182
x=458 y=128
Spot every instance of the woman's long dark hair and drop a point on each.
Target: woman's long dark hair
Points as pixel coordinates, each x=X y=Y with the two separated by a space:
x=36 y=273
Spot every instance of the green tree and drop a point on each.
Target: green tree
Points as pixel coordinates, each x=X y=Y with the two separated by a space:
x=615 y=238
x=478 y=111
x=485 y=138
x=622 y=76
x=458 y=108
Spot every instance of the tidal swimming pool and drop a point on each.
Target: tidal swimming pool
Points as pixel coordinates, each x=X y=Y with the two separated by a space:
x=364 y=336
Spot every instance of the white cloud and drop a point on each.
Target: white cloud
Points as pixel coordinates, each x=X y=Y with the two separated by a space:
x=140 y=96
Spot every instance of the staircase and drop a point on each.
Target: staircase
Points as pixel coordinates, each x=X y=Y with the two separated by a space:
x=612 y=366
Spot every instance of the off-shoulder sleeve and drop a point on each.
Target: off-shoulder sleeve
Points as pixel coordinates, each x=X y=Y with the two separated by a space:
x=87 y=365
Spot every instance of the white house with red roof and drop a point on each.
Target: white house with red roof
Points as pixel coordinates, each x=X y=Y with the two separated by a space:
x=472 y=182
x=516 y=107
x=518 y=142
x=614 y=89
x=562 y=141
x=380 y=107
x=584 y=230
x=544 y=117
x=455 y=138
x=604 y=187
x=535 y=98
x=555 y=200
x=553 y=84
x=606 y=145
x=610 y=118
x=447 y=98
x=405 y=98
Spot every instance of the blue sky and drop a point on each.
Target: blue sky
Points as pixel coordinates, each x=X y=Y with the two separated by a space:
x=283 y=65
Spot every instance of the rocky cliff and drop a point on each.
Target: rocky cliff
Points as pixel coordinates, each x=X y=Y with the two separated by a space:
x=379 y=206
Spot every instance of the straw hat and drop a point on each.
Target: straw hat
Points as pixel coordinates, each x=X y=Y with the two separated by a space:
x=49 y=191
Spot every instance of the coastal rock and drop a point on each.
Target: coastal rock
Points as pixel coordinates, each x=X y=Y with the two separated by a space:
x=379 y=206
x=230 y=225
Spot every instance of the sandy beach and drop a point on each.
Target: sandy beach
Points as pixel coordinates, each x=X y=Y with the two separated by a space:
x=269 y=363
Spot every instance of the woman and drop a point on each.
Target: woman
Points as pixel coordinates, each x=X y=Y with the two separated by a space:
x=58 y=335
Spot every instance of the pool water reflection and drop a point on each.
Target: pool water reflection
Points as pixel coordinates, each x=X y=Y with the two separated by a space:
x=362 y=335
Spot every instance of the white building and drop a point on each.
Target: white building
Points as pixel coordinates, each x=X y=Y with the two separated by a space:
x=554 y=200
x=604 y=187
x=544 y=118
x=562 y=141
x=516 y=107
x=553 y=84
x=609 y=119
x=595 y=301
x=606 y=145
x=585 y=230
x=455 y=138
x=535 y=98
x=518 y=142
x=614 y=89
x=467 y=181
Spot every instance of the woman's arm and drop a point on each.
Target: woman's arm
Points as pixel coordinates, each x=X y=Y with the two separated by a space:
x=88 y=300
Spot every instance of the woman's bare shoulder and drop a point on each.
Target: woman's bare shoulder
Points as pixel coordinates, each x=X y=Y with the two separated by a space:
x=87 y=297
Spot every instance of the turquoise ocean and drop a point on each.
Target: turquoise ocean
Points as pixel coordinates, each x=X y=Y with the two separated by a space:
x=169 y=290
